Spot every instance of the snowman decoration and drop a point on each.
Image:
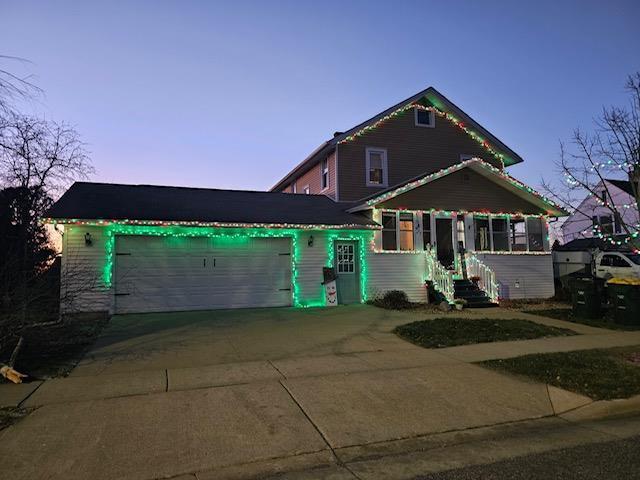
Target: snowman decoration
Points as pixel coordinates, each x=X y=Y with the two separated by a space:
x=330 y=287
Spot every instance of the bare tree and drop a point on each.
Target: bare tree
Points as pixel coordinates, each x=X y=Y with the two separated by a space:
x=612 y=149
x=13 y=87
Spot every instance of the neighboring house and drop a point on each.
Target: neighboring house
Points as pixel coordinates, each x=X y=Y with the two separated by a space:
x=389 y=204
x=594 y=213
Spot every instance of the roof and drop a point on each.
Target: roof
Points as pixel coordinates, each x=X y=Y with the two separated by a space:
x=434 y=97
x=590 y=243
x=478 y=165
x=151 y=203
x=623 y=185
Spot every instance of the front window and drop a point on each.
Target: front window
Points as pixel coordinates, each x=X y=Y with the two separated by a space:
x=406 y=231
x=535 y=234
x=426 y=230
x=482 y=233
x=500 y=234
x=376 y=167
x=518 y=235
x=324 y=178
x=389 y=238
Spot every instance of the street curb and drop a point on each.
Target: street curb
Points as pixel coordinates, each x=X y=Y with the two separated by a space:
x=603 y=409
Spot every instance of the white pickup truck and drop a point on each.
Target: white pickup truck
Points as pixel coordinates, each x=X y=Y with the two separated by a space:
x=616 y=264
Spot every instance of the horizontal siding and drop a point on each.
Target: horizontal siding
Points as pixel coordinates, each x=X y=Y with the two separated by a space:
x=522 y=276
x=82 y=286
x=312 y=178
x=311 y=259
x=397 y=271
x=411 y=151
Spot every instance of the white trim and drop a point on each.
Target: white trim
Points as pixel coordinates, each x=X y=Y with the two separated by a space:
x=294 y=187
x=385 y=169
x=432 y=116
x=306 y=190
x=336 y=173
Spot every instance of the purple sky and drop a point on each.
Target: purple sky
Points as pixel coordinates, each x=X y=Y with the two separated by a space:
x=234 y=94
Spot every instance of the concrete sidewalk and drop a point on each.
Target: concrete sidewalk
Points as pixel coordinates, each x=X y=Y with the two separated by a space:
x=340 y=386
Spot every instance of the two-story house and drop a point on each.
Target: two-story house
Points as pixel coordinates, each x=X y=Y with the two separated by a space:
x=417 y=193
x=613 y=205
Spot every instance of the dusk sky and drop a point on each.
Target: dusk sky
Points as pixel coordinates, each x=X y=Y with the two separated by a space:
x=234 y=94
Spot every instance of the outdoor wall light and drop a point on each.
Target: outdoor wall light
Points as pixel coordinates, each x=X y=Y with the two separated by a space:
x=310 y=241
x=88 y=241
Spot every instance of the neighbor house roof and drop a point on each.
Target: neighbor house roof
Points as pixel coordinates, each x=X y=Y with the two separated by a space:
x=478 y=165
x=437 y=99
x=623 y=185
x=150 y=203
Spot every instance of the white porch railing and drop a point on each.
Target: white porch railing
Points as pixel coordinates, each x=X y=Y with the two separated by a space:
x=487 y=277
x=441 y=277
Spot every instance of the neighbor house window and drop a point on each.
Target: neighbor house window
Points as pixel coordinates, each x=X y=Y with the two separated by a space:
x=482 y=233
x=518 y=234
x=606 y=224
x=306 y=190
x=500 y=234
x=324 y=174
x=424 y=118
x=426 y=230
x=294 y=188
x=535 y=234
x=406 y=231
x=389 y=238
x=617 y=223
x=376 y=167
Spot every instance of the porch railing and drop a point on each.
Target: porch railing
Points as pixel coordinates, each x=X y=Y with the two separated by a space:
x=486 y=276
x=441 y=277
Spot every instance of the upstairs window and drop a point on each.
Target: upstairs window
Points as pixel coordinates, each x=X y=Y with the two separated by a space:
x=406 y=231
x=324 y=174
x=389 y=238
x=376 y=167
x=424 y=118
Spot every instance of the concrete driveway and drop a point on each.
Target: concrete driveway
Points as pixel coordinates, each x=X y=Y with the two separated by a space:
x=229 y=394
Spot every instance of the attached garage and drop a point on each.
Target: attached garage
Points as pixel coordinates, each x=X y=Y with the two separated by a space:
x=161 y=274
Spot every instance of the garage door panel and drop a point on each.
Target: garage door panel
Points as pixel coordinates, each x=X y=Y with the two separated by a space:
x=166 y=273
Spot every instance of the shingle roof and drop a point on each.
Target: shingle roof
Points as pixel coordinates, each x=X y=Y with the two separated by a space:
x=623 y=185
x=105 y=201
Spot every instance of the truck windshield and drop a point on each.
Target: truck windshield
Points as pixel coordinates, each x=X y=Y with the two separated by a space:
x=635 y=258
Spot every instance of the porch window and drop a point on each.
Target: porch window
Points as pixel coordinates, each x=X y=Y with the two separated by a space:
x=376 y=167
x=406 y=231
x=518 y=235
x=426 y=230
x=460 y=233
x=500 y=234
x=535 y=234
x=389 y=239
x=482 y=233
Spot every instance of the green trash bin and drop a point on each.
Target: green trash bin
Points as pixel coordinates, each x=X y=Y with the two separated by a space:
x=585 y=297
x=625 y=303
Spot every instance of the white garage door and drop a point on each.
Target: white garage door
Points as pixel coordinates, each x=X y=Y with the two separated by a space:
x=160 y=274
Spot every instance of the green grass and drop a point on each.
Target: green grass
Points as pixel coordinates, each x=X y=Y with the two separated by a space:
x=567 y=315
x=449 y=332
x=599 y=374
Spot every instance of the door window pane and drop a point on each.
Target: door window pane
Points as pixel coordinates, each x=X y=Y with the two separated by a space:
x=346 y=262
x=389 y=240
x=500 y=234
x=406 y=231
x=482 y=233
x=534 y=228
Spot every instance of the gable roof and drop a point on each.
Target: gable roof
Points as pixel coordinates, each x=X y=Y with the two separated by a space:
x=478 y=165
x=623 y=185
x=437 y=99
x=160 y=204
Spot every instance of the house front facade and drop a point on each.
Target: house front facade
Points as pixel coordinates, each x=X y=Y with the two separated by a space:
x=603 y=213
x=417 y=193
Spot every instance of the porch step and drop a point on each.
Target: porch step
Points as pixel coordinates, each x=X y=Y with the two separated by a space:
x=470 y=292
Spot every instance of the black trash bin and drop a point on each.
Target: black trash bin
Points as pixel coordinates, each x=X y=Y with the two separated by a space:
x=586 y=297
x=625 y=301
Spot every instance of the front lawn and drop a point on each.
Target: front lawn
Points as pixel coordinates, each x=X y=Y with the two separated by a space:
x=567 y=315
x=449 y=332
x=599 y=374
